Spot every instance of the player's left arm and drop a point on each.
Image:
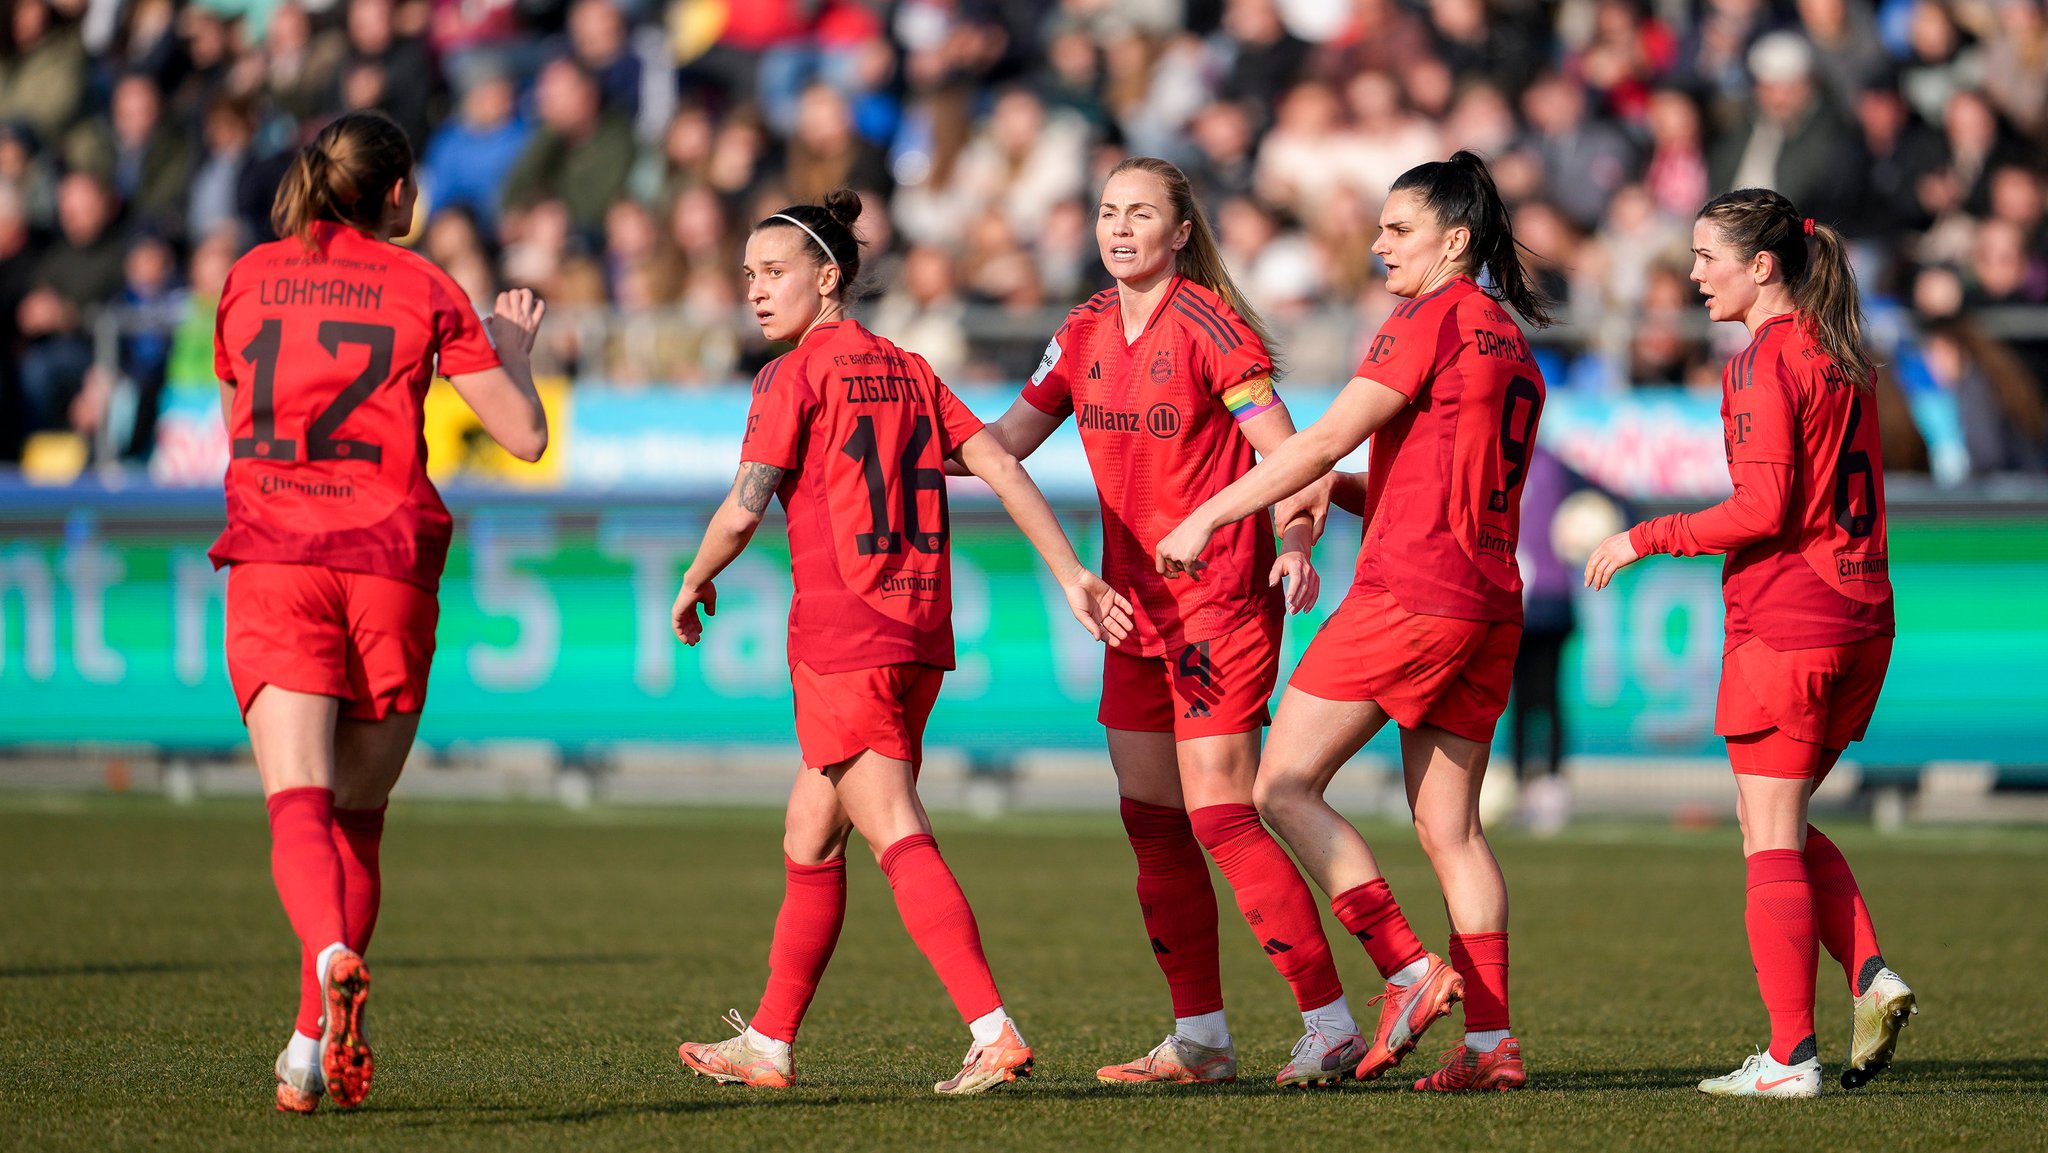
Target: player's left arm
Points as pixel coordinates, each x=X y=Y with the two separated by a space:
x=725 y=538
x=1360 y=410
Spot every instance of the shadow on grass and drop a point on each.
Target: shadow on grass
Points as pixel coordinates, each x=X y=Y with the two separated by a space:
x=166 y=968
x=1992 y=1077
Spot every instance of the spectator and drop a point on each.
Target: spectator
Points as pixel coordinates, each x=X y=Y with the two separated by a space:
x=20 y=257
x=1584 y=159
x=2017 y=196
x=581 y=155
x=1712 y=57
x=1977 y=146
x=1665 y=345
x=1264 y=59
x=42 y=69
x=1278 y=267
x=146 y=160
x=923 y=309
x=1476 y=41
x=300 y=65
x=826 y=153
x=1900 y=155
x=1676 y=175
x=1304 y=158
x=80 y=272
x=1391 y=139
x=2001 y=271
x=2016 y=67
x=377 y=47
x=1223 y=165
x=1380 y=34
x=217 y=194
x=151 y=303
x=471 y=155
x=1482 y=119
x=599 y=41
x=1794 y=143
x=1940 y=64
x=1619 y=64
x=2004 y=415
x=1848 y=53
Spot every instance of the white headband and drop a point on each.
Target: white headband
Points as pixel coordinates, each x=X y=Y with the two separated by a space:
x=814 y=236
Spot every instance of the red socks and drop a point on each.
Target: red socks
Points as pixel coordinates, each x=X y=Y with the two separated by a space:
x=1781 y=923
x=936 y=913
x=1369 y=913
x=1274 y=899
x=1179 y=905
x=806 y=931
x=309 y=878
x=1482 y=959
x=358 y=836
x=1839 y=912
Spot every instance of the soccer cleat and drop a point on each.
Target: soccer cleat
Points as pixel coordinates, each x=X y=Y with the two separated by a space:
x=1761 y=1076
x=1175 y=1061
x=735 y=1061
x=1005 y=1059
x=298 y=1086
x=1884 y=1008
x=1407 y=1012
x=1464 y=1071
x=345 y=1063
x=1320 y=1060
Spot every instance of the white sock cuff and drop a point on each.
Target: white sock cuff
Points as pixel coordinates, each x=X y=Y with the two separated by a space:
x=327 y=956
x=989 y=1026
x=1486 y=1041
x=1410 y=973
x=1209 y=1030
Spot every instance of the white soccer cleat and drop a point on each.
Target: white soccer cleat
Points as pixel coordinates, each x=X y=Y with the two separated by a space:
x=299 y=1087
x=1885 y=1006
x=1320 y=1060
x=1761 y=1076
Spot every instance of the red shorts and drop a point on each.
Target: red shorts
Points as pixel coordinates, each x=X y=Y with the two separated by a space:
x=1821 y=697
x=368 y=640
x=839 y=716
x=1209 y=688
x=1425 y=671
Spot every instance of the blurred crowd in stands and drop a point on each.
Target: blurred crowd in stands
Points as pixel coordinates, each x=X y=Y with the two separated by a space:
x=612 y=155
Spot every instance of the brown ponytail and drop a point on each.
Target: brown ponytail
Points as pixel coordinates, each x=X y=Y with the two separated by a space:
x=1201 y=259
x=344 y=175
x=1814 y=260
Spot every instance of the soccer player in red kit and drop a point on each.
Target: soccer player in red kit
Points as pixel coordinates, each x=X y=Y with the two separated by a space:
x=325 y=344
x=1427 y=635
x=852 y=433
x=1169 y=379
x=1809 y=625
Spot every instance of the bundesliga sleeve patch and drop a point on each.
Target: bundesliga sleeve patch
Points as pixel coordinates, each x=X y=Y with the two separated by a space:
x=1047 y=362
x=1250 y=398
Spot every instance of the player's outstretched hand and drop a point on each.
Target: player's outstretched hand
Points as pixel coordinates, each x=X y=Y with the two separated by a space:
x=1313 y=500
x=1614 y=554
x=689 y=629
x=1181 y=551
x=516 y=319
x=1303 y=585
x=1102 y=610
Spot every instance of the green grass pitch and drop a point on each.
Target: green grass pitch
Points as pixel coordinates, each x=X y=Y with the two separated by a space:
x=535 y=969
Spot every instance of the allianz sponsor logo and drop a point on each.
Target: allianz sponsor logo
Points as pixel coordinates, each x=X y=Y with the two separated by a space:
x=918 y=586
x=1099 y=416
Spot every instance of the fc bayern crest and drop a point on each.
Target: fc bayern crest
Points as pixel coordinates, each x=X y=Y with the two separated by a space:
x=1162 y=369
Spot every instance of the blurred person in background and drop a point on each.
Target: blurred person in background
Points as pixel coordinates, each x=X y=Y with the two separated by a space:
x=1488 y=46
x=1978 y=145
x=2003 y=407
x=151 y=305
x=1308 y=151
x=1848 y=55
x=42 y=68
x=470 y=156
x=1940 y=61
x=580 y=155
x=1379 y=34
x=1628 y=49
x=1391 y=138
x=206 y=272
x=2016 y=67
x=1676 y=173
x=20 y=258
x=1262 y=59
x=77 y=275
x=1223 y=164
x=222 y=182
x=1900 y=154
x=145 y=159
x=923 y=308
x=825 y=152
x=1794 y=142
x=1584 y=158
x=600 y=41
x=411 y=80
x=300 y=62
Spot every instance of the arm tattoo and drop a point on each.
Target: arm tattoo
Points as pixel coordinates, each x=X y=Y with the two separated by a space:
x=757 y=485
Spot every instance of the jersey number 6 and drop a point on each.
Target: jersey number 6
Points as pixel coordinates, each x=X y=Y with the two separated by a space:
x=1849 y=465
x=864 y=448
x=321 y=444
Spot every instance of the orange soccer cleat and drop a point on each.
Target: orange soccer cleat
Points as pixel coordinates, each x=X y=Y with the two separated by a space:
x=345 y=1062
x=1175 y=1061
x=1005 y=1059
x=298 y=1086
x=735 y=1060
x=1464 y=1071
x=1407 y=1013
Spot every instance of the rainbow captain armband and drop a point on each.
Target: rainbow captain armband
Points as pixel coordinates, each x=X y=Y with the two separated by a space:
x=1249 y=398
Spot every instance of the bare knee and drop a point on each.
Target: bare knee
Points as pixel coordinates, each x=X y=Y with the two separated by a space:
x=809 y=844
x=1447 y=834
x=1279 y=796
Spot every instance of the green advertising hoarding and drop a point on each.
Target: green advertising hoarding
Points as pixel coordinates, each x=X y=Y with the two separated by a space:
x=554 y=627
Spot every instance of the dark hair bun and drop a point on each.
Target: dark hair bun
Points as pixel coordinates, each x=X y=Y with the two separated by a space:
x=844 y=205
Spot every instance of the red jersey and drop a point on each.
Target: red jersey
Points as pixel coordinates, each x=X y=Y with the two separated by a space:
x=1158 y=419
x=1823 y=578
x=330 y=354
x=864 y=429
x=1443 y=494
